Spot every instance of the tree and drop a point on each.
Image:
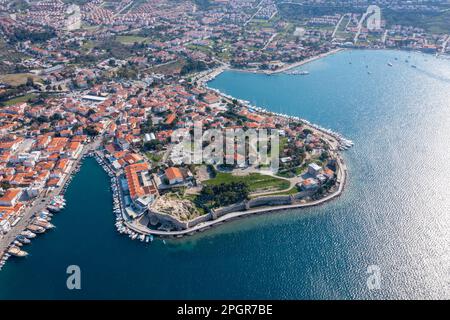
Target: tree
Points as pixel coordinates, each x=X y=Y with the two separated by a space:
x=91 y=131
x=5 y=185
x=30 y=82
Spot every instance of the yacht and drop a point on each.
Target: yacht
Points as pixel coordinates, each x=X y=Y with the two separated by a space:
x=28 y=234
x=15 y=251
x=298 y=72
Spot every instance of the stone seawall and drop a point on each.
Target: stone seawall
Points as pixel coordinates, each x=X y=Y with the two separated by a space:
x=221 y=215
x=263 y=201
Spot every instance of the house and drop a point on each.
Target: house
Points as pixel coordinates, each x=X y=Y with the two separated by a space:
x=10 y=198
x=174 y=175
x=310 y=184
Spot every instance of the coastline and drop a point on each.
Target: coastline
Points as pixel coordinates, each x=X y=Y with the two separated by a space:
x=306 y=61
x=206 y=76
x=342 y=178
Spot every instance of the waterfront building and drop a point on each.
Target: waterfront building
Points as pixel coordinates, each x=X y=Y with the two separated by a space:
x=10 y=197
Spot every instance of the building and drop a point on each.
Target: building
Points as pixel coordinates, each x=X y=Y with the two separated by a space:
x=140 y=186
x=5 y=226
x=174 y=175
x=314 y=169
x=310 y=184
x=10 y=198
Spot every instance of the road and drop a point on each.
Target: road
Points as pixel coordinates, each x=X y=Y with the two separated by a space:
x=270 y=40
x=360 y=24
x=42 y=201
x=337 y=26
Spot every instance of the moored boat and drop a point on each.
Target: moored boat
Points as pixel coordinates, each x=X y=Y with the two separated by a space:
x=15 y=251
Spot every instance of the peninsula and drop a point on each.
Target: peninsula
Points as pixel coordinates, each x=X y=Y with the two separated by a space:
x=126 y=82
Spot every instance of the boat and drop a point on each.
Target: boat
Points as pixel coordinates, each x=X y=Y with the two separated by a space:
x=43 y=224
x=389 y=64
x=298 y=72
x=36 y=229
x=28 y=234
x=413 y=66
x=54 y=209
x=18 y=243
x=23 y=239
x=15 y=251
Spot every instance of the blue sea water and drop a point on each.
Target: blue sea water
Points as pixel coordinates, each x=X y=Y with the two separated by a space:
x=394 y=213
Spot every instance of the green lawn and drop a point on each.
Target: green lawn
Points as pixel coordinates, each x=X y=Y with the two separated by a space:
x=288 y=192
x=154 y=157
x=20 y=99
x=255 y=181
x=131 y=39
x=16 y=79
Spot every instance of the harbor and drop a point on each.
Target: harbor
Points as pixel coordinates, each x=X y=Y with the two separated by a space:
x=36 y=218
x=360 y=228
x=121 y=218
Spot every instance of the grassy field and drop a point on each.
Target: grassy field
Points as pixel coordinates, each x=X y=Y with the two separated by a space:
x=20 y=99
x=168 y=68
x=131 y=39
x=16 y=79
x=288 y=192
x=255 y=181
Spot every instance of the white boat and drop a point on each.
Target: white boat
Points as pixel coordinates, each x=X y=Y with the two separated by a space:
x=28 y=234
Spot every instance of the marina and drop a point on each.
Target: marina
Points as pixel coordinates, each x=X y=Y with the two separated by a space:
x=39 y=222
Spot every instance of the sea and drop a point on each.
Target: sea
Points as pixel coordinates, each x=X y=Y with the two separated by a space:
x=386 y=237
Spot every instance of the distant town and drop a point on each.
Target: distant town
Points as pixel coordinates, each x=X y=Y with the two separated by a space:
x=114 y=80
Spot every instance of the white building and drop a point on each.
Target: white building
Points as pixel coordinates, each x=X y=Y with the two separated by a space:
x=314 y=169
x=5 y=226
